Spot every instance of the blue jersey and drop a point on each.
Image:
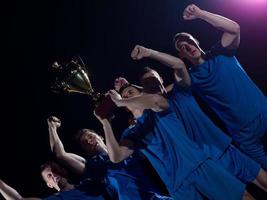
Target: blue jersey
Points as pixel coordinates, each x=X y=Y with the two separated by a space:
x=127 y=178
x=226 y=88
x=199 y=128
x=73 y=194
x=162 y=139
x=87 y=190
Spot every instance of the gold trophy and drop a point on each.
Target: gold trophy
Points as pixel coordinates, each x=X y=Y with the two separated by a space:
x=72 y=77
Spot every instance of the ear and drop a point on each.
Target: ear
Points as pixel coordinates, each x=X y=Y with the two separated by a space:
x=49 y=185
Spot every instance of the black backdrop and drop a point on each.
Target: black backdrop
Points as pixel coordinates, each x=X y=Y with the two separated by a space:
x=103 y=34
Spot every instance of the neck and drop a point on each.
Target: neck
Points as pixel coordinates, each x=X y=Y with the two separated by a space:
x=197 y=61
x=103 y=150
x=137 y=112
x=65 y=186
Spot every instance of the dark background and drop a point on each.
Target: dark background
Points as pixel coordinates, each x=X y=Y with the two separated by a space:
x=103 y=33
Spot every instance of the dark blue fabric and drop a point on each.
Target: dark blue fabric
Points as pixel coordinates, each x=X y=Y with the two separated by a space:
x=88 y=190
x=162 y=139
x=226 y=88
x=128 y=178
x=199 y=128
x=213 y=182
x=240 y=165
x=73 y=194
x=252 y=139
x=210 y=138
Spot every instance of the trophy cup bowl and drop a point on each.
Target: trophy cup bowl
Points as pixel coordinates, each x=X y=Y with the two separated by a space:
x=72 y=77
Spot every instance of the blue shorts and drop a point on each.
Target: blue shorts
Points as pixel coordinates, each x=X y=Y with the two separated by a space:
x=239 y=165
x=251 y=139
x=210 y=181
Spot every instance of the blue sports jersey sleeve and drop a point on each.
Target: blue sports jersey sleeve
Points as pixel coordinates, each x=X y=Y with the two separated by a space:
x=136 y=132
x=218 y=49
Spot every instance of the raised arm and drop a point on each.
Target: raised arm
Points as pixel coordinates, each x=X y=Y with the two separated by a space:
x=116 y=152
x=231 y=29
x=10 y=193
x=155 y=102
x=181 y=75
x=73 y=161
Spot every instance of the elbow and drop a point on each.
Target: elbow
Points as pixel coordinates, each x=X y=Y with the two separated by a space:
x=179 y=65
x=59 y=155
x=160 y=103
x=237 y=28
x=115 y=159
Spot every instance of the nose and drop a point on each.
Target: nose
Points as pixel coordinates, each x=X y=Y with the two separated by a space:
x=188 y=48
x=91 y=140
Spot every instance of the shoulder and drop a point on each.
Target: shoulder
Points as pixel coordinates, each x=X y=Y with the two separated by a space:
x=218 y=49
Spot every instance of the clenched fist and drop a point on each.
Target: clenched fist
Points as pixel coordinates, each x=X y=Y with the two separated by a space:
x=53 y=122
x=192 y=12
x=140 y=52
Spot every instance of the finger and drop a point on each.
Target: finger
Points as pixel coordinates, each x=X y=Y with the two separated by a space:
x=55 y=119
x=110 y=93
x=186 y=17
x=192 y=9
x=134 y=52
x=187 y=13
x=187 y=9
x=117 y=80
x=113 y=91
x=140 y=54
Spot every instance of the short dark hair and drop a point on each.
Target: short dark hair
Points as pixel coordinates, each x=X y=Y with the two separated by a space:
x=147 y=69
x=126 y=85
x=144 y=71
x=183 y=36
x=55 y=168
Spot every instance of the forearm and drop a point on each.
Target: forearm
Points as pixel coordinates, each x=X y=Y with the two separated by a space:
x=135 y=102
x=55 y=143
x=116 y=152
x=74 y=162
x=166 y=59
x=8 y=192
x=145 y=101
x=220 y=22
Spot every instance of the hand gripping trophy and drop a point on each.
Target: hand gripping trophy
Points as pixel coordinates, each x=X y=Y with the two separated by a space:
x=72 y=77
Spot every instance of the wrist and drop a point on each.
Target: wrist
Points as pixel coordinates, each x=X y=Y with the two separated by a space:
x=152 y=53
x=119 y=102
x=104 y=121
x=52 y=128
x=202 y=14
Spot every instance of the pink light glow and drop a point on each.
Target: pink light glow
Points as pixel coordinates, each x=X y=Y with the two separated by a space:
x=246 y=8
x=254 y=1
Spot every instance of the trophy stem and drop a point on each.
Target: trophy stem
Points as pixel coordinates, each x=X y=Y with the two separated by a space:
x=95 y=95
